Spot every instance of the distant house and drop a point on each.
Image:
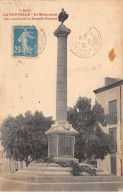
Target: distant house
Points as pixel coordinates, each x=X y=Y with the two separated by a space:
x=8 y=165
x=110 y=97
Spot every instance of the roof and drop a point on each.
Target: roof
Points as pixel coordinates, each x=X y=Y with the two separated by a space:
x=101 y=89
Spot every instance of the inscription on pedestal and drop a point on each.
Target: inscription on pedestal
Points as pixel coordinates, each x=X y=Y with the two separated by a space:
x=52 y=145
x=66 y=146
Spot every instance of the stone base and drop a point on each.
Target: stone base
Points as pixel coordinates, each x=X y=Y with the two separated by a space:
x=61 y=128
x=65 y=159
x=61 y=141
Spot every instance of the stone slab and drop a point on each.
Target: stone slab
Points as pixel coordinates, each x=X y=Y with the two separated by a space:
x=18 y=185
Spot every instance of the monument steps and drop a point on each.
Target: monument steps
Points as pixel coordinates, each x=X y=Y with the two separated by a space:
x=45 y=173
x=44 y=169
x=104 y=174
x=45 y=177
x=52 y=169
x=98 y=170
x=63 y=179
x=37 y=164
x=89 y=165
x=58 y=183
x=48 y=169
x=55 y=167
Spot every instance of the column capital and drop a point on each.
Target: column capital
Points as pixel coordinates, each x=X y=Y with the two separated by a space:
x=62 y=31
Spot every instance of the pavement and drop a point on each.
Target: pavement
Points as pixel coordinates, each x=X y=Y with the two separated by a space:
x=7 y=185
x=54 y=178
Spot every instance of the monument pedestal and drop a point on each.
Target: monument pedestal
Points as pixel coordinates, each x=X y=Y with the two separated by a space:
x=61 y=142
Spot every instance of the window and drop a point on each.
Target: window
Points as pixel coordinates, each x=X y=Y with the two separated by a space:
x=112 y=112
x=113 y=107
x=113 y=135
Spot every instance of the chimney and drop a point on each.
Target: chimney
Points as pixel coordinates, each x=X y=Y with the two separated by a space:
x=109 y=81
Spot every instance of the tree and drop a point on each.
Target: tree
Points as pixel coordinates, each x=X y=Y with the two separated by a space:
x=23 y=137
x=88 y=120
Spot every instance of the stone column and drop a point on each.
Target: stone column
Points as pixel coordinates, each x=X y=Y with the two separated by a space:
x=61 y=135
x=61 y=89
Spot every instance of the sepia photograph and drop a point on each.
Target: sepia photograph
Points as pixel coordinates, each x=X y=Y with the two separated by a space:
x=61 y=95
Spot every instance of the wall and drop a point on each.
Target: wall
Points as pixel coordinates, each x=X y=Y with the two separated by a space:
x=103 y=98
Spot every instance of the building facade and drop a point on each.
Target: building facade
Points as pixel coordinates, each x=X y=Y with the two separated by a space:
x=111 y=98
x=9 y=165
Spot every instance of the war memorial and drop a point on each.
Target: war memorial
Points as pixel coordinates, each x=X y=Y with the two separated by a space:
x=61 y=136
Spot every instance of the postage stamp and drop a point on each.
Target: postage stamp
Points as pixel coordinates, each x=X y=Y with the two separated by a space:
x=86 y=45
x=28 y=41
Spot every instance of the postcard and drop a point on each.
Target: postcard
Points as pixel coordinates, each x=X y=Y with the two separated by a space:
x=61 y=95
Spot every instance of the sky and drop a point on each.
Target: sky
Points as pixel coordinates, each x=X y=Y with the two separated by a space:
x=30 y=83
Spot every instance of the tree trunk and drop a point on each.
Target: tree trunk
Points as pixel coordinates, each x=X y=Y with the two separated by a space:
x=27 y=163
x=80 y=160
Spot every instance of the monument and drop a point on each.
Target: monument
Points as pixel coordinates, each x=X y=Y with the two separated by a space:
x=61 y=135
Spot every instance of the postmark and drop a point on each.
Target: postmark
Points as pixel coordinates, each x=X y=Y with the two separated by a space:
x=86 y=45
x=41 y=40
x=28 y=41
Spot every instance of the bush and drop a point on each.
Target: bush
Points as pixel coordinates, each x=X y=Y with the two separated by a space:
x=88 y=170
x=63 y=163
x=76 y=169
x=49 y=159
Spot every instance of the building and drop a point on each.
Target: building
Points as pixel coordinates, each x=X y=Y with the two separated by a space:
x=111 y=98
x=8 y=165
